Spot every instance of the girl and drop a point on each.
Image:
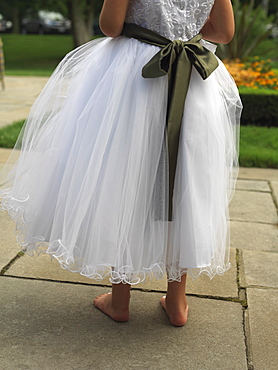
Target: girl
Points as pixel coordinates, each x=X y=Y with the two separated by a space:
x=128 y=157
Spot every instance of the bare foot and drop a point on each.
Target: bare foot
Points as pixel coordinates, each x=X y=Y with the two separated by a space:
x=176 y=313
x=104 y=303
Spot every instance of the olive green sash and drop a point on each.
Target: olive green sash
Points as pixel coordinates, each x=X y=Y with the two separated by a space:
x=175 y=59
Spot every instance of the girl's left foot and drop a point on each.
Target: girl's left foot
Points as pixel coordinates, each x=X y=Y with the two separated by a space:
x=104 y=304
x=115 y=304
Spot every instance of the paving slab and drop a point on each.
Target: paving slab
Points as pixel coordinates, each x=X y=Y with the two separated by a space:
x=18 y=97
x=260 y=269
x=254 y=236
x=254 y=173
x=252 y=185
x=263 y=327
x=4 y=154
x=253 y=206
x=219 y=286
x=47 y=325
x=8 y=246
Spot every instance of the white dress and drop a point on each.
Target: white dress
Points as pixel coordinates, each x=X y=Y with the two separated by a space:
x=91 y=176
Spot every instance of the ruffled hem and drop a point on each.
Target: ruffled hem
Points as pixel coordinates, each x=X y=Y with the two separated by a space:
x=97 y=272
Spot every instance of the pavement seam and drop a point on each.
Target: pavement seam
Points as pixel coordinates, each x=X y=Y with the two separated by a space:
x=261 y=287
x=247 y=339
x=255 y=191
x=261 y=251
x=254 y=222
x=242 y=295
x=12 y=261
x=264 y=179
x=275 y=200
x=248 y=179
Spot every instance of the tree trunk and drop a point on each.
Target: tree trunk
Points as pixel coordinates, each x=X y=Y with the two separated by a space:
x=82 y=16
x=265 y=5
x=16 y=17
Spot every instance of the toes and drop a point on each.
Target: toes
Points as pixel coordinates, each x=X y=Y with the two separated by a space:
x=102 y=295
x=163 y=302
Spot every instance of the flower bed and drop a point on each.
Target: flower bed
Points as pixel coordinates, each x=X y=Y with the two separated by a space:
x=254 y=73
x=258 y=86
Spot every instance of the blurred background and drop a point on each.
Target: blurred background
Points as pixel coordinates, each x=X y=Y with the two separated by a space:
x=77 y=17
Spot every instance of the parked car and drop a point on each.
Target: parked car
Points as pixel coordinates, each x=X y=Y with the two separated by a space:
x=5 y=25
x=45 y=21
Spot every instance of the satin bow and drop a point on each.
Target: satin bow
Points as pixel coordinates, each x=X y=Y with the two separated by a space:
x=175 y=59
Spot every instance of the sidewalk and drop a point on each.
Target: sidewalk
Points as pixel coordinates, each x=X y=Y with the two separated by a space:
x=48 y=320
x=18 y=97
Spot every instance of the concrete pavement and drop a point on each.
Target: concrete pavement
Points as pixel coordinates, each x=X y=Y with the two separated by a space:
x=18 y=97
x=48 y=321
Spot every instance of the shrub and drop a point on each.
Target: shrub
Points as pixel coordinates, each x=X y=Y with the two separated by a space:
x=259 y=109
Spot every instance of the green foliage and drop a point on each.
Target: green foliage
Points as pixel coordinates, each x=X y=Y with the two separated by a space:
x=250 y=30
x=9 y=134
x=259 y=109
x=271 y=5
x=267 y=49
x=258 y=147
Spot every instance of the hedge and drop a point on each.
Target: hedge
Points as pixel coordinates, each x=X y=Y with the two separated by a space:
x=259 y=109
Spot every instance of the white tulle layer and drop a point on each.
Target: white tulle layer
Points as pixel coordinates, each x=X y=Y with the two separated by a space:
x=90 y=182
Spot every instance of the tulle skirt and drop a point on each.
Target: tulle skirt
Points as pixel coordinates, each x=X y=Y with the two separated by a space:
x=90 y=182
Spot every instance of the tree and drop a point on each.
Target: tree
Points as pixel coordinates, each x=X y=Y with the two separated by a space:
x=81 y=14
x=12 y=9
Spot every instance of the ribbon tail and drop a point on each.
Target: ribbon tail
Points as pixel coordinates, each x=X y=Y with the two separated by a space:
x=179 y=87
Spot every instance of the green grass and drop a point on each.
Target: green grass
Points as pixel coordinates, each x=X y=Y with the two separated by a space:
x=258 y=145
x=250 y=90
x=34 y=55
x=9 y=134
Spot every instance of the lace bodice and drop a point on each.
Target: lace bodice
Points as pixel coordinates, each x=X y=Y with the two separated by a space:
x=173 y=19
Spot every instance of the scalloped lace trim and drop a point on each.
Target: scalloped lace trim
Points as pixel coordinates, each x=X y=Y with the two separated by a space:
x=98 y=272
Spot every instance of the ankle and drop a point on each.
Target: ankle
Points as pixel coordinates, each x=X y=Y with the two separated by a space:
x=120 y=296
x=174 y=300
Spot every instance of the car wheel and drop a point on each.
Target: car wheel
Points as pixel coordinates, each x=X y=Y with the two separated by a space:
x=23 y=30
x=41 y=30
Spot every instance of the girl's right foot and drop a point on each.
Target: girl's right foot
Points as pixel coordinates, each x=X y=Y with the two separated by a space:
x=174 y=303
x=176 y=311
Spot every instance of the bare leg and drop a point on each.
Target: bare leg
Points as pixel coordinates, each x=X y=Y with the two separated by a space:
x=115 y=305
x=175 y=303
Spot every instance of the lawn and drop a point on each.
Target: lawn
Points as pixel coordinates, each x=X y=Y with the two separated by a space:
x=35 y=55
x=258 y=145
